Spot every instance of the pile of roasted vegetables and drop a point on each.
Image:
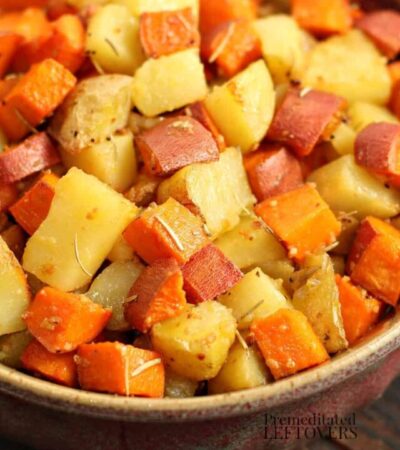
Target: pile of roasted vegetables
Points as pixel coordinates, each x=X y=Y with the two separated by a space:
x=195 y=198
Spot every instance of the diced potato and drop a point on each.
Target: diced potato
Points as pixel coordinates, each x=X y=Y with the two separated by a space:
x=283 y=46
x=177 y=386
x=110 y=289
x=243 y=107
x=157 y=85
x=318 y=299
x=244 y=369
x=139 y=7
x=363 y=114
x=14 y=292
x=85 y=220
x=94 y=111
x=113 y=41
x=349 y=66
x=218 y=191
x=343 y=139
x=355 y=190
x=255 y=296
x=195 y=344
x=250 y=245
x=12 y=347
x=112 y=161
x=121 y=251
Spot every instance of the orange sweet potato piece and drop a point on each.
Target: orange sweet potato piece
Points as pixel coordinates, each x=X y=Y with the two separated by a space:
x=9 y=43
x=166 y=32
x=15 y=238
x=377 y=148
x=304 y=118
x=166 y=231
x=301 y=220
x=395 y=100
x=208 y=274
x=232 y=46
x=61 y=322
x=288 y=342
x=359 y=311
x=213 y=13
x=33 y=155
x=176 y=143
x=120 y=369
x=32 y=208
x=156 y=295
x=394 y=71
x=199 y=112
x=22 y=4
x=383 y=28
x=8 y=195
x=36 y=95
x=323 y=17
x=374 y=260
x=59 y=368
x=58 y=8
x=272 y=170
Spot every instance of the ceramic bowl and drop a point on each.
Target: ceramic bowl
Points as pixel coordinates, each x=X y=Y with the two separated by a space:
x=50 y=417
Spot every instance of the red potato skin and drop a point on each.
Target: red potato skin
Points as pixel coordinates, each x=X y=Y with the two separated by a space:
x=303 y=118
x=272 y=170
x=176 y=143
x=199 y=112
x=374 y=260
x=377 y=148
x=209 y=274
x=383 y=28
x=33 y=155
x=166 y=32
x=160 y=295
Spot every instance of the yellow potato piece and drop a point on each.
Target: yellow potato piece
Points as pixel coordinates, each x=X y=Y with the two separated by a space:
x=362 y=114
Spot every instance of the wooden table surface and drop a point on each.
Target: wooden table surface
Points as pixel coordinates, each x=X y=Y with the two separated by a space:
x=378 y=428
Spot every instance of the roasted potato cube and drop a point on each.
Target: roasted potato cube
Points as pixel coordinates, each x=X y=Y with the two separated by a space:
x=177 y=386
x=243 y=369
x=357 y=71
x=217 y=191
x=255 y=295
x=11 y=348
x=250 y=99
x=139 y=7
x=318 y=299
x=362 y=114
x=67 y=257
x=196 y=343
x=343 y=139
x=157 y=85
x=356 y=191
x=110 y=289
x=95 y=110
x=14 y=292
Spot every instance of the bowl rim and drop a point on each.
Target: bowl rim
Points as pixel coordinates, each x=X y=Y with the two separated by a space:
x=371 y=351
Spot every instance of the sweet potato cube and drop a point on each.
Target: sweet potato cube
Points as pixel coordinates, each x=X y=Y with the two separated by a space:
x=165 y=231
x=120 y=369
x=232 y=46
x=30 y=156
x=288 y=342
x=61 y=322
x=156 y=295
x=323 y=17
x=377 y=148
x=36 y=95
x=383 y=28
x=272 y=170
x=209 y=274
x=374 y=260
x=214 y=13
x=199 y=112
x=59 y=368
x=22 y=4
x=166 y=32
x=359 y=311
x=32 y=208
x=304 y=118
x=8 y=46
x=176 y=143
x=301 y=220
x=8 y=195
